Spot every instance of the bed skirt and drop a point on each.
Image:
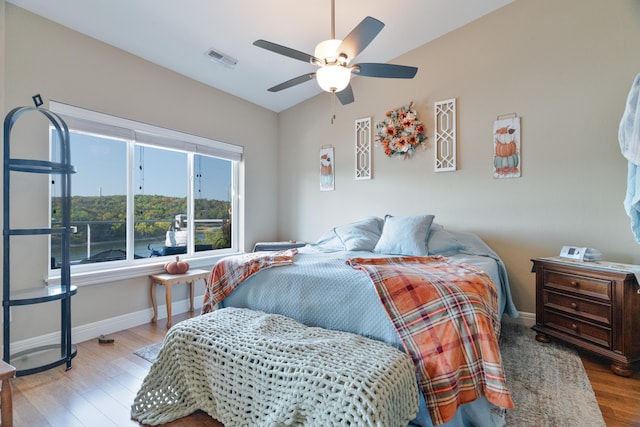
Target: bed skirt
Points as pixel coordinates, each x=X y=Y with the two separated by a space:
x=248 y=368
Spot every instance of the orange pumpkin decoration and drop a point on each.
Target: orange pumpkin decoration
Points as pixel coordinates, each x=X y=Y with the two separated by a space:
x=176 y=267
x=505 y=150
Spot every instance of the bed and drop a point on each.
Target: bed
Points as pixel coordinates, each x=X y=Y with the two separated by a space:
x=319 y=288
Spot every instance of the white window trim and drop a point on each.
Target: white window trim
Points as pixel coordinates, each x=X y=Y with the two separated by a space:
x=83 y=120
x=117 y=271
x=105 y=124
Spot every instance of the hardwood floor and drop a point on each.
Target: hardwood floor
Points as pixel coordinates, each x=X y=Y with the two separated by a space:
x=99 y=389
x=618 y=397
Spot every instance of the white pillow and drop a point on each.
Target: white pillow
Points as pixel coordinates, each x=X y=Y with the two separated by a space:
x=404 y=235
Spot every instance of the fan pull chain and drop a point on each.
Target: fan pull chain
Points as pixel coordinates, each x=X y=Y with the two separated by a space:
x=333 y=107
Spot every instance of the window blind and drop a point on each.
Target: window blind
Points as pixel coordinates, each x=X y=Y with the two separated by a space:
x=83 y=120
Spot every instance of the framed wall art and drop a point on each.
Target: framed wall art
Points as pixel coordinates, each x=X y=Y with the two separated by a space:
x=506 y=146
x=363 y=149
x=327 y=172
x=445 y=135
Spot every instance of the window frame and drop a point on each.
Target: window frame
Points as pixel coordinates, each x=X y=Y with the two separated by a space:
x=90 y=122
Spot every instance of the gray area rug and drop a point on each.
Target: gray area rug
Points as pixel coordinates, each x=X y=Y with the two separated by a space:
x=548 y=383
x=150 y=352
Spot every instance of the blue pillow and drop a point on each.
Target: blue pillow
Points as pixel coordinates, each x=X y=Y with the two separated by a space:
x=329 y=242
x=442 y=242
x=404 y=235
x=361 y=235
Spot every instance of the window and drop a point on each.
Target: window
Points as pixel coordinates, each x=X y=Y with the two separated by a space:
x=142 y=192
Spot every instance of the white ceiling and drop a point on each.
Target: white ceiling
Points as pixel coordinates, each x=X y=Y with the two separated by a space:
x=176 y=34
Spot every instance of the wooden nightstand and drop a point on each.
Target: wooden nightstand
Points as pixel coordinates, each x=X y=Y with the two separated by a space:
x=592 y=305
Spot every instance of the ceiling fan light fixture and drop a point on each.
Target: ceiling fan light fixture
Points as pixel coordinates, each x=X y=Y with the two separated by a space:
x=333 y=78
x=332 y=57
x=328 y=51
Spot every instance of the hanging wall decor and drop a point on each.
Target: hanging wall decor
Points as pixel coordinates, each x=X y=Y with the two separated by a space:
x=363 y=148
x=400 y=133
x=327 y=173
x=445 y=135
x=506 y=146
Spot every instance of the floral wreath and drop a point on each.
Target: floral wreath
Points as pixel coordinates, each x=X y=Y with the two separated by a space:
x=401 y=132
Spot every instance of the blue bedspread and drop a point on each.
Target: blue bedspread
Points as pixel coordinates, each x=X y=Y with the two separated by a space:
x=319 y=289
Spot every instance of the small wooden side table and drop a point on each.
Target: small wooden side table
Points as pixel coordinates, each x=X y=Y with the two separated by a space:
x=6 y=395
x=168 y=280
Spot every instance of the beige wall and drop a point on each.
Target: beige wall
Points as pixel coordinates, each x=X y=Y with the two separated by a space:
x=63 y=65
x=564 y=66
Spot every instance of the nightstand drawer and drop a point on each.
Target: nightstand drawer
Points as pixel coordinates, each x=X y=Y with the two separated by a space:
x=574 y=305
x=587 y=286
x=586 y=331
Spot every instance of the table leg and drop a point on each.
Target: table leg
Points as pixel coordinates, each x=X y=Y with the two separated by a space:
x=6 y=403
x=167 y=291
x=191 y=290
x=154 y=302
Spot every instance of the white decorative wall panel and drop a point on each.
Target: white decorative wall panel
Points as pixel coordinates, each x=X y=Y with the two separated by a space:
x=445 y=135
x=363 y=148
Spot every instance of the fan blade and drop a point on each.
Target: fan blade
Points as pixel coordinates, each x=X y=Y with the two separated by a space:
x=345 y=95
x=286 y=51
x=360 y=37
x=293 y=82
x=391 y=71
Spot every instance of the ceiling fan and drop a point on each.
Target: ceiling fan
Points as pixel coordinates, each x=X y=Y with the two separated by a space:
x=333 y=58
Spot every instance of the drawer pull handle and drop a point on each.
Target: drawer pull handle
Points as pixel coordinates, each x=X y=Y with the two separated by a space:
x=574 y=305
x=575 y=284
x=574 y=327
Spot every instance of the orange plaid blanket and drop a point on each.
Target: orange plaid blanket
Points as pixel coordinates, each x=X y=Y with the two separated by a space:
x=229 y=272
x=445 y=313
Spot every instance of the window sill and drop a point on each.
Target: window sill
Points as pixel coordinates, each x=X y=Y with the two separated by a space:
x=114 y=273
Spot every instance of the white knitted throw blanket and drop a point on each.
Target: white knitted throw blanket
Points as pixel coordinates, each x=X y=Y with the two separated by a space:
x=248 y=368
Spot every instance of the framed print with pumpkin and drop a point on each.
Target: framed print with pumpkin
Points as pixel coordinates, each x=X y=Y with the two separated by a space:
x=327 y=176
x=506 y=147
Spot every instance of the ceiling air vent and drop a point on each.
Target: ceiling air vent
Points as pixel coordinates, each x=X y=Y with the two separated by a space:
x=221 y=57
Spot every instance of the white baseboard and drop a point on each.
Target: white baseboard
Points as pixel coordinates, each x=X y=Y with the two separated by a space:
x=108 y=326
x=525 y=319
